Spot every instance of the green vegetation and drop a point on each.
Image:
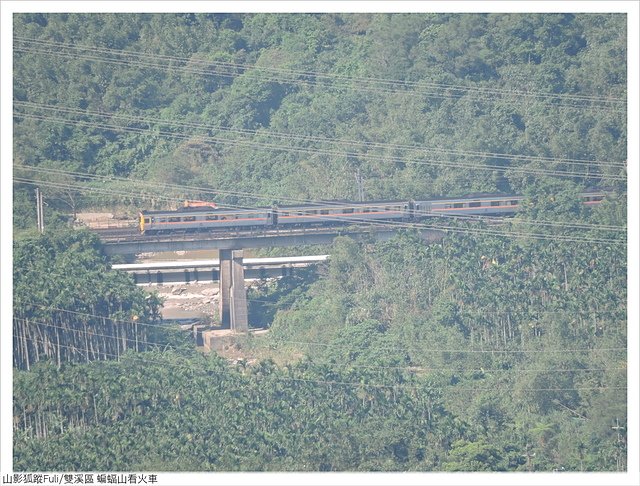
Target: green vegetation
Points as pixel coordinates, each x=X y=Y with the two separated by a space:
x=427 y=374
x=258 y=124
x=482 y=352
x=69 y=306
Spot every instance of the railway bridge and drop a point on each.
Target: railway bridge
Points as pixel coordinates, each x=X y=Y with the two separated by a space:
x=233 y=297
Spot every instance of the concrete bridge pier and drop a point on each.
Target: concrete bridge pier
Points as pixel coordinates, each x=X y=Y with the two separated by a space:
x=233 y=295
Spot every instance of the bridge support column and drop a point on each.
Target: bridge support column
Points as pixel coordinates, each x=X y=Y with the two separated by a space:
x=239 y=311
x=225 y=287
x=233 y=296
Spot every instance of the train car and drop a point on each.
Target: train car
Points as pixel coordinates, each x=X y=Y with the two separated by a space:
x=343 y=213
x=593 y=197
x=203 y=219
x=486 y=204
x=477 y=204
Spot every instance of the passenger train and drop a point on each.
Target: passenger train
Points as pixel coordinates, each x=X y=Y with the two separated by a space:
x=197 y=216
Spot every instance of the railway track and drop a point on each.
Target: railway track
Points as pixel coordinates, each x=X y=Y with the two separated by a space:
x=107 y=233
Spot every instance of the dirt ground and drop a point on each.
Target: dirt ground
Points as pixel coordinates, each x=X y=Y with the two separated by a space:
x=182 y=301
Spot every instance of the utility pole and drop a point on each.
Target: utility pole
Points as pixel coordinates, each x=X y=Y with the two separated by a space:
x=617 y=428
x=40 y=210
x=529 y=456
x=359 y=183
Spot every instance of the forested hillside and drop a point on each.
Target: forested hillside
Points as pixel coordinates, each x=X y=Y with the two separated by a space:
x=292 y=106
x=500 y=348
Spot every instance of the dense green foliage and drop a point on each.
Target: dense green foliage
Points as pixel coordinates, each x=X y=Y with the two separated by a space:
x=259 y=124
x=521 y=334
x=69 y=306
x=481 y=352
x=430 y=373
x=171 y=412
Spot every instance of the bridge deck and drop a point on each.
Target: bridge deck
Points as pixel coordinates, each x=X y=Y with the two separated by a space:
x=131 y=242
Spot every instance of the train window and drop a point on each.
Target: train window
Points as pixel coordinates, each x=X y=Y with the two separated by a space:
x=495 y=203
x=448 y=206
x=147 y=220
x=212 y=217
x=189 y=218
x=514 y=202
x=324 y=211
x=458 y=205
x=347 y=211
x=366 y=210
x=175 y=219
x=475 y=204
x=595 y=198
x=162 y=220
x=300 y=213
x=312 y=211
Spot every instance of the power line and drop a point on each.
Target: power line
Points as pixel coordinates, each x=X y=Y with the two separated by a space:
x=214 y=140
x=380 y=224
x=369 y=222
x=202 y=190
x=207 y=63
x=209 y=72
x=190 y=125
x=476 y=351
x=280 y=148
x=431 y=350
x=208 y=372
x=305 y=138
x=91 y=333
x=313 y=73
x=384 y=85
x=93 y=189
x=573 y=312
x=408 y=368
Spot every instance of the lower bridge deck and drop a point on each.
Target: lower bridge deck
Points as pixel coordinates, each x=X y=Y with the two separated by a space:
x=205 y=271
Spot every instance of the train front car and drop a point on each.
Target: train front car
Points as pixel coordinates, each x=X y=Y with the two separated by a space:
x=202 y=219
